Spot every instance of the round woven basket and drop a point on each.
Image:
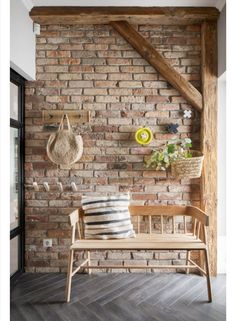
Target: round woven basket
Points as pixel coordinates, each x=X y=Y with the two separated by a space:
x=189 y=167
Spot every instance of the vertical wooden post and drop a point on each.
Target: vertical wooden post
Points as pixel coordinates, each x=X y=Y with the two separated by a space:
x=209 y=135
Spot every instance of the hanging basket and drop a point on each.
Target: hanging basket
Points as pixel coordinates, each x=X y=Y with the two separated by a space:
x=189 y=167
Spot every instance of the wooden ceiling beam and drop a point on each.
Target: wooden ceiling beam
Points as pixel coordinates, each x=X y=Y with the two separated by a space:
x=156 y=60
x=135 y=15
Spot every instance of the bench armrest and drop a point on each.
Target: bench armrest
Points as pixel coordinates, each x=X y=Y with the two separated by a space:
x=198 y=214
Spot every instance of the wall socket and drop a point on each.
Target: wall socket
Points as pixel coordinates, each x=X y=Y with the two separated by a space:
x=47 y=242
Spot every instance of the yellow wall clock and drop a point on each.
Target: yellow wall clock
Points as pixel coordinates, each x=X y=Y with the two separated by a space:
x=143 y=136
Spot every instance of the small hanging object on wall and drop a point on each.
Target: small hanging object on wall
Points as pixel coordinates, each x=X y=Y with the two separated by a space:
x=187 y=113
x=46 y=186
x=74 y=187
x=35 y=186
x=144 y=136
x=64 y=147
x=59 y=184
x=172 y=128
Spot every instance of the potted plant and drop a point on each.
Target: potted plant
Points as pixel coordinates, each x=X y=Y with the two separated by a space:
x=177 y=155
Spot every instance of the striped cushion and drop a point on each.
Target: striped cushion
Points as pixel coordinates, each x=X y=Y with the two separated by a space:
x=107 y=217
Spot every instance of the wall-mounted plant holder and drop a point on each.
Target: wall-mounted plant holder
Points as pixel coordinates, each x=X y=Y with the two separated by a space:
x=53 y=117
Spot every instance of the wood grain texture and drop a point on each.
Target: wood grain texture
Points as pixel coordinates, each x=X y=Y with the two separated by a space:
x=75 y=116
x=209 y=135
x=163 y=210
x=138 y=15
x=118 y=297
x=157 y=61
x=142 y=243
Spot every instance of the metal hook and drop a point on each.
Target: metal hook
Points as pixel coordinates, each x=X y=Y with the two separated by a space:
x=35 y=186
x=46 y=186
x=74 y=187
x=60 y=186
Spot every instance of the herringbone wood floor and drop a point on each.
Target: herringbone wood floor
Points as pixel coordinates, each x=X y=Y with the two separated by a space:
x=118 y=297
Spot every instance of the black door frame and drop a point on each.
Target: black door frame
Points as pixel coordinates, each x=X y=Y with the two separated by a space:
x=19 y=81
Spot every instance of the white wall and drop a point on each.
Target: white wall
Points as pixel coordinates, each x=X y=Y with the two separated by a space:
x=22 y=40
x=222 y=42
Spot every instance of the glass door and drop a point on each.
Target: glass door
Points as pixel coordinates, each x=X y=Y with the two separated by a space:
x=16 y=175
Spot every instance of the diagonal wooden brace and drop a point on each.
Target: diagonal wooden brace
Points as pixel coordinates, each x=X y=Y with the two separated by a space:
x=156 y=60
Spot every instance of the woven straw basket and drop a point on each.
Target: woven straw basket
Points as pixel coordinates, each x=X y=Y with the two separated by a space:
x=189 y=167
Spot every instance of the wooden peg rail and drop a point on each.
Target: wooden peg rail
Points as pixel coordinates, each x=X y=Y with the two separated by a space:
x=75 y=116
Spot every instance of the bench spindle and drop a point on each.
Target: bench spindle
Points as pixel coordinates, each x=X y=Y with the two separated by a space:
x=173 y=224
x=194 y=226
x=162 y=230
x=138 y=223
x=150 y=223
x=198 y=229
x=185 y=225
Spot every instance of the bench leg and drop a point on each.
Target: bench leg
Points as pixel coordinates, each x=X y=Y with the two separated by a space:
x=89 y=262
x=208 y=276
x=69 y=275
x=187 y=260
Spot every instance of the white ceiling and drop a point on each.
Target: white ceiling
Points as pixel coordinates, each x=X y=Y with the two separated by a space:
x=139 y=3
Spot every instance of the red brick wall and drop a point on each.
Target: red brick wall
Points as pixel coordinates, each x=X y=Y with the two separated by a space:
x=93 y=68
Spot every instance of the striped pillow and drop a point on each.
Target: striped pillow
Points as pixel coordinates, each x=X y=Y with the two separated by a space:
x=107 y=217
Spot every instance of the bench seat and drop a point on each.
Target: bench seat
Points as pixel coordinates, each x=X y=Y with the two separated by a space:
x=143 y=241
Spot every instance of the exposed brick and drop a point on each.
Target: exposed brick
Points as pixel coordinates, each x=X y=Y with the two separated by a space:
x=170 y=196
x=56 y=68
x=157 y=99
x=190 y=62
x=105 y=84
x=155 y=189
x=117 y=61
x=168 y=256
x=120 y=76
x=59 y=203
x=93 y=68
x=142 y=255
x=130 y=69
x=117 y=255
x=144 y=197
x=120 y=91
x=133 y=84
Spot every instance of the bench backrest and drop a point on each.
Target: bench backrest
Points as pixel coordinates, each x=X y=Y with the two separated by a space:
x=199 y=219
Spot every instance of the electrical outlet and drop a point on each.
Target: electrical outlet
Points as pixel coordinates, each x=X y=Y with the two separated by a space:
x=47 y=243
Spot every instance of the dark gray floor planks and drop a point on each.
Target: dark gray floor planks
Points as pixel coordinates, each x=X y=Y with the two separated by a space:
x=117 y=297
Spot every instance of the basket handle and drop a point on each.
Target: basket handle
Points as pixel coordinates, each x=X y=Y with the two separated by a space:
x=61 y=126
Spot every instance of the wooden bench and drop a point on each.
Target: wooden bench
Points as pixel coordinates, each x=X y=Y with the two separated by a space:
x=196 y=239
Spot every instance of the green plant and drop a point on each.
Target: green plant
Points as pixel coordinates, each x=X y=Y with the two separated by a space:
x=161 y=158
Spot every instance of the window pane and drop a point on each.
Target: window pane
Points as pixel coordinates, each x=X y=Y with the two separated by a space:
x=14 y=188
x=14 y=264
x=14 y=101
